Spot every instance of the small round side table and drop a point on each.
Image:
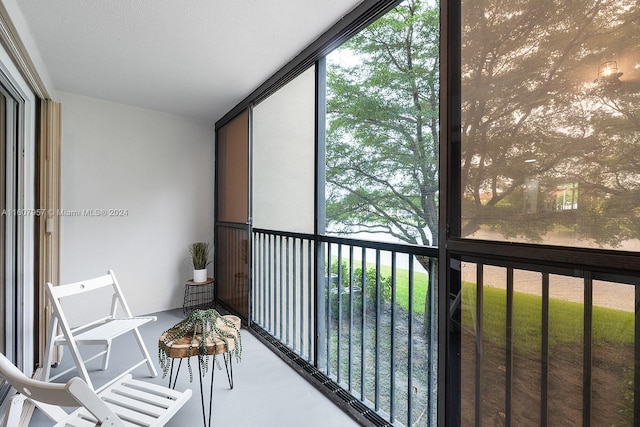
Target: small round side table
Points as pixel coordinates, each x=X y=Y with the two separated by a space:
x=198 y=295
x=184 y=348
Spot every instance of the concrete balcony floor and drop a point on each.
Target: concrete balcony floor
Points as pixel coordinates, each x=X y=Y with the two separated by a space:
x=266 y=392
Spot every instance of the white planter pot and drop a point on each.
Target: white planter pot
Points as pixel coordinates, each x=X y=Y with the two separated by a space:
x=200 y=276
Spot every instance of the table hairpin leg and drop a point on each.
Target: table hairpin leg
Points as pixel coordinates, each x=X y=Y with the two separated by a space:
x=177 y=349
x=228 y=365
x=175 y=380
x=204 y=416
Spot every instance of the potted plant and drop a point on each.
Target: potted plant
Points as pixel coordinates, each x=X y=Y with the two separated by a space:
x=200 y=259
x=203 y=329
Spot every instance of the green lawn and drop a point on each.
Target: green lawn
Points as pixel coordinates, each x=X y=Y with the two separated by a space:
x=565 y=319
x=420 y=285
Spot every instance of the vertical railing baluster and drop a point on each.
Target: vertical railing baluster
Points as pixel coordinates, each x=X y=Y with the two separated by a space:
x=234 y=267
x=311 y=331
x=588 y=349
x=271 y=304
x=263 y=313
x=254 y=315
x=509 y=348
x=287 y=289
x=479 y=321
x=351 y=291
x=280 y=286
x=410 y=346
x=301 y=299
x=319 y=303
x=432 y=296
x=392 y=385
x=260 y=277
x=544 y=356
x=363 y=339
x=239 y=268
x=328 y=310
x=636 y=365
x=275 y=285
x=265 y=284
x=294 y=286
x=255 y=300
x=247 y=268
x=339 y=328
x=377 y=333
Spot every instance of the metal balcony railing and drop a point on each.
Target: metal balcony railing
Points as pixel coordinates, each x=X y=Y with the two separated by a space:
x=542 y=345
x=360 y=314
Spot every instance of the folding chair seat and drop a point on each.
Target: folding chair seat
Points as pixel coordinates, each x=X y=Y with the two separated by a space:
x=125 y=402
x=97 y=332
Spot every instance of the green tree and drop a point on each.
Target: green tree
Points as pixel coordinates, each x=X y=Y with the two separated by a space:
x=533 y=114
x=382 y=139
x=534 y=121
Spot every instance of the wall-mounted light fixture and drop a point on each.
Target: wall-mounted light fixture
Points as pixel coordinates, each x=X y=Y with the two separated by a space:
x=608 y=73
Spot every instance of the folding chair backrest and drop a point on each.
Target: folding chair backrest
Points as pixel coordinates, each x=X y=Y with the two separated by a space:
x=51 y=396
x=100 y=329
x=56 y=394
x=58 y=293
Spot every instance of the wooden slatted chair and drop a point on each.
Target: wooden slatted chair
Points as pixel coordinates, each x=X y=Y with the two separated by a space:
x=101 y=331
x=125 y=402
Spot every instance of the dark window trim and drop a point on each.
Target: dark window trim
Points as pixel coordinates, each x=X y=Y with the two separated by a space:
x=605 y=260
x=449 y=283
x=591 y=263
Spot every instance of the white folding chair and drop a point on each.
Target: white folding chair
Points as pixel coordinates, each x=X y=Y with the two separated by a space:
x=126 y=402
x=99 y=331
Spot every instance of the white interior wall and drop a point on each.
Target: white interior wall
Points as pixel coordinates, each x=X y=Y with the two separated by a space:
x=157 y=169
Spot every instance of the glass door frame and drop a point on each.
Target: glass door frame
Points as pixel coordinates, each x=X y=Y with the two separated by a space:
x=19 y=170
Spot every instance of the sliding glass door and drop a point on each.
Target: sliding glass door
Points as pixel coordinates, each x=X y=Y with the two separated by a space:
x=10 y=248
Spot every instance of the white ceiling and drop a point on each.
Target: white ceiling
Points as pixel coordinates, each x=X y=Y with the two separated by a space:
x=196 y=58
